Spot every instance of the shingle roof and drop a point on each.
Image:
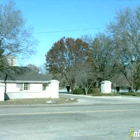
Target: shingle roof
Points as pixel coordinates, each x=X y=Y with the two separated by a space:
x=22 y=74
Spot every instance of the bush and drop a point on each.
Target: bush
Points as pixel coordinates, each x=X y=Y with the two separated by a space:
x=90 y=91
x=79 y=91
x=82 y=91
x=129 y=93
x=105 y=94
x=94 y=92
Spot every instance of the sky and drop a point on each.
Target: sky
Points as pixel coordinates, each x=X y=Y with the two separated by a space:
x=53 y=19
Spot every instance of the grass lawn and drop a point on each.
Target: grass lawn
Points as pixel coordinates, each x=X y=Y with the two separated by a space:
x=113 y=94
x=117 y=94
x=38 y=101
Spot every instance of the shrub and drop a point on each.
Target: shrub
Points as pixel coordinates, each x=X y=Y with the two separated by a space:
x=82 y=91
x=105 y=94
x=94 y=92
x=129 y=93
x=79 y=91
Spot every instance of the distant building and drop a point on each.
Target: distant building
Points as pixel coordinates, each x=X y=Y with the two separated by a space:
x=11 y=60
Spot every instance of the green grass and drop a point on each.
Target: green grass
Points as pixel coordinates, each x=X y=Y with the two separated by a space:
x=129 y=94
x=106 y=94
x=37 y=101
x=118 y=94
x=96 y=92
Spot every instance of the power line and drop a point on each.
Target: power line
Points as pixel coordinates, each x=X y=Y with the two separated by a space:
x=74 y=30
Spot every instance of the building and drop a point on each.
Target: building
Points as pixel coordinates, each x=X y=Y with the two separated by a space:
x=11 y=60
x=23 y=82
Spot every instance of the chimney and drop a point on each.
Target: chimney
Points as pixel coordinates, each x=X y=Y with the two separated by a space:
x=11 y=60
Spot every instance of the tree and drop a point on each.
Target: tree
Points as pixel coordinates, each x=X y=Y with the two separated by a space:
x=104 y=58
x=85 y=77
x=42 y=69
x=33 y=67
x=15 y=38
x=125 y=31
x=3 y=61
x=65 y=56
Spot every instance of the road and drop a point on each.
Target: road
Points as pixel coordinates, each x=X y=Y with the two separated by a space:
x=69 y=122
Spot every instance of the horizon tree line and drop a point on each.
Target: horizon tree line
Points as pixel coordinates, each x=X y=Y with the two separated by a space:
x=112 y=55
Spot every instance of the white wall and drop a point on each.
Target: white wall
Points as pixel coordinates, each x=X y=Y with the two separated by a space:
x=27 y=95
x=2 y=88
x=105 y=87
x=11 y=87
x=51 y=91
x=54 y=89
x=35 y=87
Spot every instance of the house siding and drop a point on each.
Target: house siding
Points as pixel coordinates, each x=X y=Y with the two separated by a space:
x=12 y=87
x=36 y=90
x=35 y=87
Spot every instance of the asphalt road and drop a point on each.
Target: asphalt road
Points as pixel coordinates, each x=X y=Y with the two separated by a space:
x=69 y=122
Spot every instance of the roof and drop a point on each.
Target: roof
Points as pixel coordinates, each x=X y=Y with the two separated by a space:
x=22 y=74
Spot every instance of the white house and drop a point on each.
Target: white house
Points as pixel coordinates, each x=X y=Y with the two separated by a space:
x=23 y=82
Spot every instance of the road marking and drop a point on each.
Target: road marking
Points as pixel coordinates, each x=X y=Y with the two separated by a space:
x=71 y=112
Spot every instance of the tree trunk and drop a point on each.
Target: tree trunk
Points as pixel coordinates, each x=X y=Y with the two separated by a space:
x=86 y=90
x=5 y=82
x=72 y=88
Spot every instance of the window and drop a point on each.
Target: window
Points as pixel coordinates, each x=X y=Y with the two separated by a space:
x=26 y=86
x=20 y=86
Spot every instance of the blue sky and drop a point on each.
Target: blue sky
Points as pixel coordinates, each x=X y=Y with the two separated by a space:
x=49 y=16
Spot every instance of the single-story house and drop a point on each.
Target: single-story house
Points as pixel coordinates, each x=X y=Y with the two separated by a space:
x=23 y=82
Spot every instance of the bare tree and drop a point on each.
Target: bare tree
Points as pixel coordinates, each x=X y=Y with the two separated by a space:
x=33 y=67
x=15 y=38
x=42 y=69
x=85 y=77
x=104 y=58
x=125 y=31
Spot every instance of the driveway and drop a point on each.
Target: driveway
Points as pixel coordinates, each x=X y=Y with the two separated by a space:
x=99 y=100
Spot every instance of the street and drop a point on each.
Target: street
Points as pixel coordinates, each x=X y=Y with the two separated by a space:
x=69 y=122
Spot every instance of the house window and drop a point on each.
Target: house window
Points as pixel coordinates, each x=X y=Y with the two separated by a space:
x=20 y=86
x=26 y=86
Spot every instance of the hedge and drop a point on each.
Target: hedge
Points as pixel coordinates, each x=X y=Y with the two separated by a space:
x=82 y=91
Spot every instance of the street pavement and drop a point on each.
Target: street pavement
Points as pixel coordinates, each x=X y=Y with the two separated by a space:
x=91 y=118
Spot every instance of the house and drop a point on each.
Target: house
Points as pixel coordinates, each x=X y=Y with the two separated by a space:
x=23 y=82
